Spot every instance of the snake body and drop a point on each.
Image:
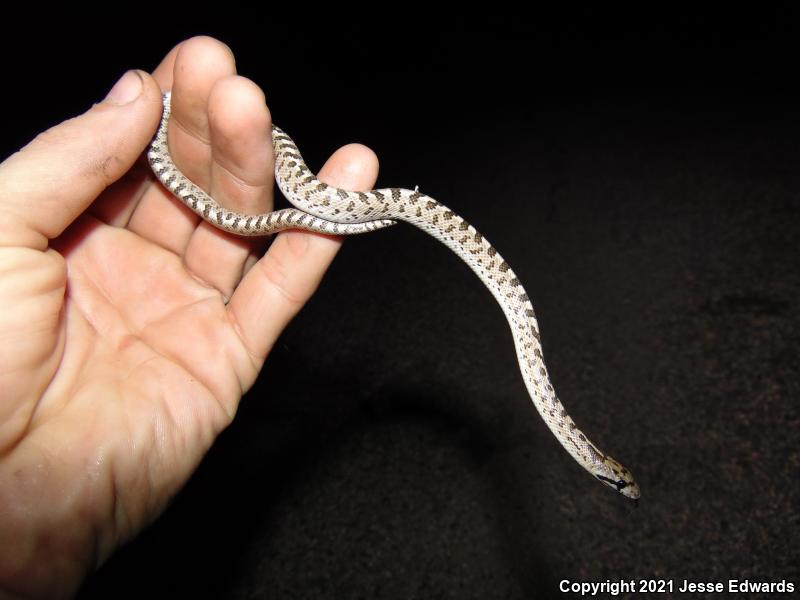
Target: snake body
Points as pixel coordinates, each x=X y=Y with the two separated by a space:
x=324 y=208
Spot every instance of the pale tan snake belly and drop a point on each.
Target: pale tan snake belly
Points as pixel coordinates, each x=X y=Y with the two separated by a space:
x=322 y=208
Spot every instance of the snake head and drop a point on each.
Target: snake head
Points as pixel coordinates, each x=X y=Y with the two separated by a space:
x=614 y=475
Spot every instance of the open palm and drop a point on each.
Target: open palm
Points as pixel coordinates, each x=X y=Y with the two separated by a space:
x=130 y=330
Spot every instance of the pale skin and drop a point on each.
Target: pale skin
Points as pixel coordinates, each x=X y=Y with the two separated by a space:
x=131 y=329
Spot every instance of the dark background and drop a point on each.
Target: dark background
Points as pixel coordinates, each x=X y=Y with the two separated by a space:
x=640 y=172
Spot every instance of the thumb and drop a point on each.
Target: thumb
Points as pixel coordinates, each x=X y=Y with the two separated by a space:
x=52 y=180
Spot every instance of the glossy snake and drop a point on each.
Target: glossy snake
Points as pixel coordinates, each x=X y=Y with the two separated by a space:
x=323 y=208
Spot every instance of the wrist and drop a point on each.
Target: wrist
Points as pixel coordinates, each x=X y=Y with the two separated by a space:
x=45 y=547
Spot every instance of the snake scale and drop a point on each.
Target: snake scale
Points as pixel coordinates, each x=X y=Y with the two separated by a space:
x=322 y=208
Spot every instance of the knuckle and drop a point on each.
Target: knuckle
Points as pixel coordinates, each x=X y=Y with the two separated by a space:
x=284 y=282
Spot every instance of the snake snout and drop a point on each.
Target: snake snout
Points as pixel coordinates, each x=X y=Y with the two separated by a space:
x=625 y=486
x=619 y=478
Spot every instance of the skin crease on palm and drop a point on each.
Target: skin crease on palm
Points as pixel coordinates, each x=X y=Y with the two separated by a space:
x=116 y=299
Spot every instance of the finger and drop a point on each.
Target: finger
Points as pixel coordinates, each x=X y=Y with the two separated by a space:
x=275 y=289
x=117 y=203
x=165 y=69
x=52 y=180
x=241 y=180
x=198 y=64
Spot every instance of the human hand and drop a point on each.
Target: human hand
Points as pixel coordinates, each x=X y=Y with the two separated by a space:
x=130 y=329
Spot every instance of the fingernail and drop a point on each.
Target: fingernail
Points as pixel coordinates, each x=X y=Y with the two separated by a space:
x=126 y=90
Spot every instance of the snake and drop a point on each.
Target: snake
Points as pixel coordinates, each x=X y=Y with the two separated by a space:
x=319 y=207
